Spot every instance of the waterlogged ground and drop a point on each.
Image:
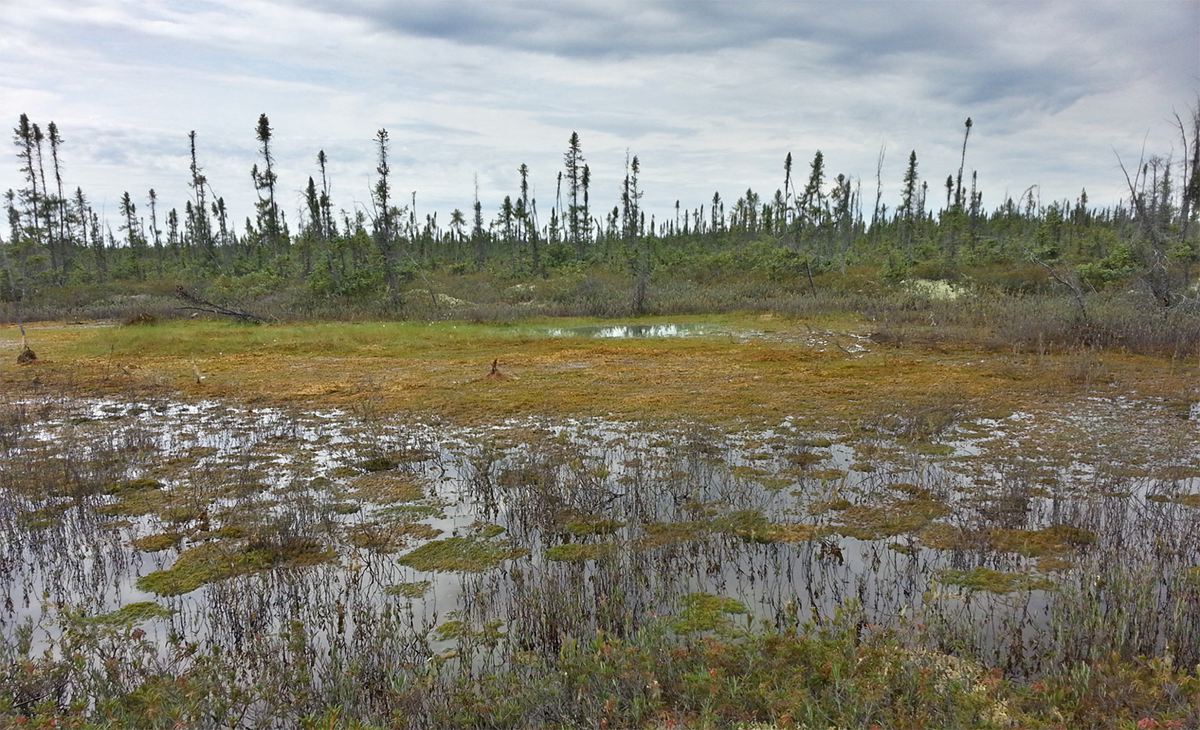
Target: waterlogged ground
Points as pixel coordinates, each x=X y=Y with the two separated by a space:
x=381 y=501
x=1025 y=538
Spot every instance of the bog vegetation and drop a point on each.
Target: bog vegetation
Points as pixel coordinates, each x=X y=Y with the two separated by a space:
x=808 y=462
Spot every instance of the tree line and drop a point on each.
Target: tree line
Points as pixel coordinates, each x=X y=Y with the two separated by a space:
x=813 y=222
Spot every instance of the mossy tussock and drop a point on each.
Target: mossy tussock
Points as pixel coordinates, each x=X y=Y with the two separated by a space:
x=214 y=561
x=471 y=553
x=700 y=611
x=157 y=542
x=598 y=526
x=1053 y=541
x=132 y=613
x=748 y=525
x=386 y=488
x=410 y=589
x=993 y=581
x=576 y=552
x=388 y=536
x=900 y=515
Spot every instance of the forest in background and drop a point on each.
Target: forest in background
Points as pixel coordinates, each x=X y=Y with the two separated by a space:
x=60 y=257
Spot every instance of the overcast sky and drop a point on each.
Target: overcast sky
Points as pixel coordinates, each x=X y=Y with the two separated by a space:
x=710 y=95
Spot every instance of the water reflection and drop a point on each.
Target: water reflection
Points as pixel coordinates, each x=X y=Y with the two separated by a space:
x=614 y=524
x=629 y=331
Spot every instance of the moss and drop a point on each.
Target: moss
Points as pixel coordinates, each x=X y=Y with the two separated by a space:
x=993 y=581
x=805 y=459
x=182 y=513
x=44 y=517
x=377 y=464
x=414 y=589
x=894 y=517
x=157 y=542
x=133 y=485
x=414 y=530
x=244 y=489
x=1056 y=540
x=580 y=552
x=458 y=629
x=947 y=537
x=659 y=534
x=1054 y=564
x=798 y=532
x=821 y=506
x=1188 y=500
x=1178 y=472
x=452 y=629
x=193 y=568
x=827 y=475
x=485 y=530
x=412 y=512
x=775 y=484
x=385 y=537
x=370 y=537
x=705 y=612
x=386 y=488
x=583 y=528
x=750 y=525
x=462 y=555
x=214 y=561
x=137 y=502
x=133 y=613
x=932 y=449
x=750 y=473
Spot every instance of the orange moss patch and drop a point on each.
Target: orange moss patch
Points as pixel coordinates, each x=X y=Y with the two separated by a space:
x=386 y=488
x=1053 y=541
x=421 y=368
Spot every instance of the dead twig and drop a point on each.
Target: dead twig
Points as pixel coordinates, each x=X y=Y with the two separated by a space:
x=196 y=304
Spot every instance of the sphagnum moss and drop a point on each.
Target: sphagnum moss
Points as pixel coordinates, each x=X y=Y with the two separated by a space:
x=439 y=369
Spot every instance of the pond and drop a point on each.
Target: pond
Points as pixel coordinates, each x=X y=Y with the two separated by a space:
x=628 y=331
x=1024 y=540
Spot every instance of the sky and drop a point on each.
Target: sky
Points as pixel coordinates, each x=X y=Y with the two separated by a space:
x=710 y=95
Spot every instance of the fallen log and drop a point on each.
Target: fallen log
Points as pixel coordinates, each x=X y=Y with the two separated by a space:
x=196 y=304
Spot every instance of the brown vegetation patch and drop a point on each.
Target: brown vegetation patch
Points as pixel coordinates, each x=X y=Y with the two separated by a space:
x=418 y=368
x=386 y=537
x=893 y=517
x=942 y=536
x=214 y=561
x=157 y=542
x=386 y=488
x=1054 y=541
x=1188 y=500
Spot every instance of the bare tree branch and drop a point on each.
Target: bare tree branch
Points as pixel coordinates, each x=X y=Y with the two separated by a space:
x=197 y=304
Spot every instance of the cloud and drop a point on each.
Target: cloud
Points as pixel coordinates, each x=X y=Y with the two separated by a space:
x=711 y=95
